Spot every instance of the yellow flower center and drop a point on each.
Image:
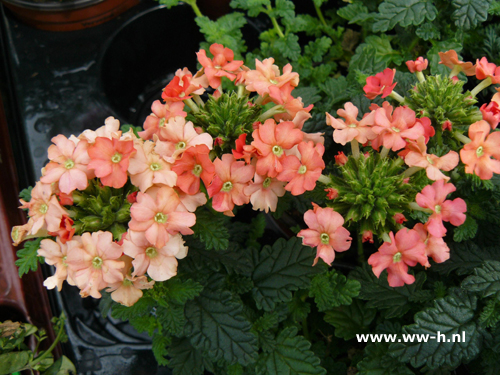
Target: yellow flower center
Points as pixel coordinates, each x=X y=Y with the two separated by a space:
x=397 y=257
x=197 y=170
x=127 y=282
x=151 y=252
x=277 y=150
x=228 y=185
x=395 y=129
x=43 y=209
x=68 y=164
x=302 y=169
x=273 y=81
x=479 y=151
x=429 y=160
x=267 y=182
x=64 y=261
x=325 y=238
x=180 y=146
x=437 y=209
x=161 y=218
x=97 y=263
x=155 y=167
x=161 y=124
x=116 y=158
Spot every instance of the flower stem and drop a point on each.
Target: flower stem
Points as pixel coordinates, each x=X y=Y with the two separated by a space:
x=193 y=5
x=420 y=77
x=320 y=14
x=454 y=72
x=384 y=152
x=484 y=83
x=324 y=179
x=396 y=96
x=39 y=359
x=462 y=138
x=275 y=22
x=386 y=237
x=192 y=105
x=199 y=101
x=271 y=112
x=355 y=148
x=241 y=91
x=414 y=206
x=410 y=171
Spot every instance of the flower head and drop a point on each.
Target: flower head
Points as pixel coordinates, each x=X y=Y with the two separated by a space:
x=349 y=129
x=222 y=64
x=418 y=65
x=380 y=83
x=267 y=74
x=195 y=164
x=264 y=192
x=450 y=59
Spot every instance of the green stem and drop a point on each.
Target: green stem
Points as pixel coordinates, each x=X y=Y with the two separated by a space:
x=271 y=112
x=386 y=237
x=196 y=10
x=192 y=105
x=241 y=91
x=47 y=352
x=361 y=253
x=462 y=138
x=414 y=206
x=384 y=152
x=275 y=22
x=305 y=329
x=325 y=179
x=413 y=43
x=320 y=14
x=355 y=148
x=484 y=83
x=420 y=76
x=198 y=100
x=411 y=171
x=454 y=72
x=396 y=96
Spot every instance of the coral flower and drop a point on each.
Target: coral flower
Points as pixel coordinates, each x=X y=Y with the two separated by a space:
x=129 y=291
x=351 y=128
x=177 y=137
x=110 y=129
x=160 y=263
x=95 y=262
x=433 y=164
x=66 y=230
x=380 y=83
x=282 y=96
x=158 y=217
x=418 y=65
x=222 y=64
x=227 y=187
x=181 y=87
x=435 y=247
x=406 y=249
x=264 y=193
x=271 y=140
x=477 y=154
x=450 y=59
x=485 y=69
x=242 y=150
x=302 y=174
x=491 y=113
x=147 y=168
x=325 y=232
x=157 y=121
x=68 y=165
x=267 y=74
x=433 y=197
x=55 y=254
x=110 y=160
x=194 y=164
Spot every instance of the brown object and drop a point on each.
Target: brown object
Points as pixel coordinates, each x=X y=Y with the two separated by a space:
x=214 y=9
x=71 y=19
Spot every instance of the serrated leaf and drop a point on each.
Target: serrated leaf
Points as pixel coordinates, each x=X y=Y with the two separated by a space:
x=254 y=7
x=469 y=13
x=256 y=231
x=216 y=325
x=290 y=357
x=299 y=309
x=142 y=307
x=210 y=230
x=144 y=323
x=466 y=231
x=377 y=361
x=428 y=31
x=180 y=291
x=335 y=89
x=374 y=55
x=63 y=366
x=350 y=320
x=494 y=8
x=352 y=10
x=404 y=13
x=185 y=359
x=491 y=313
x=284 y=9
x=332 y=290
x=266 y=322
x=28 y=257
x=452 y=315
x=226 y=31
x=13 y=361
x=281 y=269
x=289 y=46
x=25 y=194
x=318 y=48
x=159 y=348
x=486 y=279
x=378 y=293
x=171 y=317
x=309 y=95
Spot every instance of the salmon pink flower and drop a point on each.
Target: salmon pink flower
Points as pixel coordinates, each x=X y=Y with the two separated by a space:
x=435 y=247
x=158 y=217
x=302 y=174
x=222 y=64
x=55 y=253
x=190 y=202
x=380 y=83
x=66 y=230
x=433 y=197
x=367 y=236
x=282 y=96
x=194 y=164
x=406 y=249
x=243 y=151
x=68 y=165
x=147 y=168
x=128 y=291
x=271 y=140
x=418 y=65
x=267 y=74
x=110 y=160
x=485 y=69
x=227 y=187
x=450 y=59
x=160 y=263
x=340 y=158
x=477 y=154
x=264 y=193
x=399 y=218
x=351 y=128
x=95 y=262
x=447 y=125
x=110 y=129
x=20 y=233
x=157 y=121
x=325 y=232
x=433 y=164
x=181 y=87
x=491 y=113
x=331 y=193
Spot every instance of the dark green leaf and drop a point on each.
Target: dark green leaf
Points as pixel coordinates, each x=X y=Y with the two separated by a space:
x=352 y=10
x=374 y=55
x=63 y=366
x=180 y=291
x=377 y=361
x=469 y=13
x=453 y=316
x=350 y=320
x=226 y=31
x=335 y=89
x=466 y=231
x=159 y=347
x=28 y=257
x=141 y=307
x=171 y=317
x=307 y=94
x=256 y=231
x=318 y=48
x=428 y=31
x=289 y=46
x=185 y=360
x=210 y=230
x=25 y=194
x=495 y=8
x=283 y=9
x=332 y=290
x=486 y=279
x=299 y=308
x=216 y=324
x=291 y=357
x=404 y=13
x=13 y=361
x=254 y=7
x=491 y=313
x=282 y=268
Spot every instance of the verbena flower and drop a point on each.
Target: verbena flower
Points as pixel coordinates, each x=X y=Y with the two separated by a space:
x=380 y=84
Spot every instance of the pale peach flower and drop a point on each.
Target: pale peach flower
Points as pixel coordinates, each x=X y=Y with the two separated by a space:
x=264 y=192
x=157 y=121
x=267 y=74
x=55 y=254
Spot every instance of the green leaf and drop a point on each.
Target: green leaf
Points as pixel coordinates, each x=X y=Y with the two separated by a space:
x=28 y=257
x=299 y=308
x=282 y=268
x=289 y=46
x=290 y=357
x=216 y=325
x=171 y=317
x=307 y=94
x=283 y=9
x=211 y=230
x=184 y=358
x=226 y=31
x=374 y=55
x=169 y=3
x=428 y=31
x=377 y=361
x=63 y=366
x=254 y=7
x=350 y=320
x=142 y=307
x=256 y=231
x=434 y=59
x=25 y=194
x=159 y=348
x=352 y=10
x=332 y=290
x=491 y=313
x=404 y=13
x=335 y=90
x=466 y=231
x=469 y=13
x=13 y=361
x=381 y=296
x=180 y=291
x=136 y=129
x=318 y=48
x=494 y=8
x=486 y=279
x=453 y=316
